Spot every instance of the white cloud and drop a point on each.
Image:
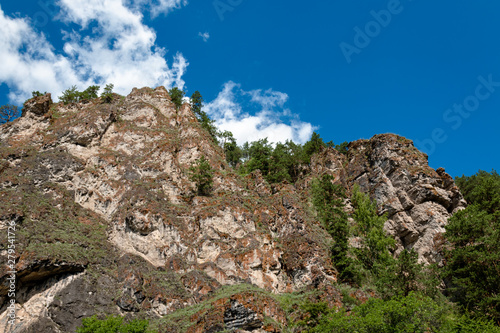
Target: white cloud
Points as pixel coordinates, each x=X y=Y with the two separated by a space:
x=117 y=49
x=267 y=122
x=205 y=36
x=157 y=7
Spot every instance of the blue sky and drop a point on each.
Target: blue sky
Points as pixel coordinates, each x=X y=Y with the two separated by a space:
x=426 y=70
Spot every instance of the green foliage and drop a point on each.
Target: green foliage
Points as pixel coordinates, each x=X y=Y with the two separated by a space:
x=373 y=254
x=413 y=313
x=37 y=94
x=8 y=113
x=89 y=93
x=472 y=269
x=314 y=145
x=260 y=153
x=276 y=164
x=205 y=121
x=473 y=261
x=107 y=94
x=231 y=149
x=468 y=324
x=112 y=324
x=176 y=95
x=284 y=163
x=406 y=275
x=343 y=147
x=197 y=103
x=482 y=189
x=314 y=311
x=328 y=199
x=201 y=174
x=72 y=95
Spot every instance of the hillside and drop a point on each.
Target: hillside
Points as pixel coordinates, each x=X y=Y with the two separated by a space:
x=108 y=220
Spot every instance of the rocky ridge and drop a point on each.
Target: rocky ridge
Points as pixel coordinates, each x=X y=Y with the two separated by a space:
x=109 y=222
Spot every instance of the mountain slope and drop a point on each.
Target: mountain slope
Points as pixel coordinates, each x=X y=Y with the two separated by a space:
x=108 y=220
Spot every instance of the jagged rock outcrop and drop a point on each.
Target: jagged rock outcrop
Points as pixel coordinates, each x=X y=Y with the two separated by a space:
x=417 y=199
x=109 y=221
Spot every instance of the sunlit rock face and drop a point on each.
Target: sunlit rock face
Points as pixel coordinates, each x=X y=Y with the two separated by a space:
x=416 y=199
x=111 y=222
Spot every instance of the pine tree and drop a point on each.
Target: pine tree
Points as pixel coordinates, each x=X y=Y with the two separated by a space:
x=201 y=173
x=176 y=95
x=312 y=147
x=369 y=226
x=472 y=267
x=328 y=199
x=203 y=118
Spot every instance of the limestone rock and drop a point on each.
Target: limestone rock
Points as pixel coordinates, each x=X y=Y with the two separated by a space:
x=417 y=199
x=112 y=224
x=37 y=106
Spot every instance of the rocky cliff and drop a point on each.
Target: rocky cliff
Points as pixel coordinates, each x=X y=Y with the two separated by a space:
x=108 y=221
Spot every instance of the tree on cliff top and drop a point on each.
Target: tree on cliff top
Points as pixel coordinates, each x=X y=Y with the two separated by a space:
x=176 y=95
x=8 y=113
x=203 y=118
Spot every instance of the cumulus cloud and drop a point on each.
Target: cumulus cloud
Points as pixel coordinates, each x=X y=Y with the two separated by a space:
x=113 y=45
x=269 y=119
x=205 y=36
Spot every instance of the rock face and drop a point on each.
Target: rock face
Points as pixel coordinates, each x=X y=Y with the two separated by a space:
x=109 y=221
x=417 y=199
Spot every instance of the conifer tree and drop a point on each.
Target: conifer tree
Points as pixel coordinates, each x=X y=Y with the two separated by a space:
x=176 y=95
x=201 y=173
x=328 y=199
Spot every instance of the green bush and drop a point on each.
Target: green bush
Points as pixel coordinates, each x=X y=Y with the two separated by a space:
x=37 y=94
x=413 y=313
x=201 y=173
x=112 y=324
x=482 y=189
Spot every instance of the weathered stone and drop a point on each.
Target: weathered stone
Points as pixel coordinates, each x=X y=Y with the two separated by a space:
x=38 y=106
x=417 y=199
x=126 y=164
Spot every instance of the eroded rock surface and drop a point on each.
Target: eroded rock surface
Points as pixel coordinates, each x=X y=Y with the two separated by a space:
x=417 y=199
x=128 y=234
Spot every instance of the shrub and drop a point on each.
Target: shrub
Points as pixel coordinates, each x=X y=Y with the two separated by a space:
x=413 y=313
x=37 y=94
x=201 y=173
x=112 y=324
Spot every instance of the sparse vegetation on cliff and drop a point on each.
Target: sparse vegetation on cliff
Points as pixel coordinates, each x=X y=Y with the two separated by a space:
x=119 y=217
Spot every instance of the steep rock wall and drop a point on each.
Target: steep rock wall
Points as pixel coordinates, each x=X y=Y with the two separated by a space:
x=119 y=172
